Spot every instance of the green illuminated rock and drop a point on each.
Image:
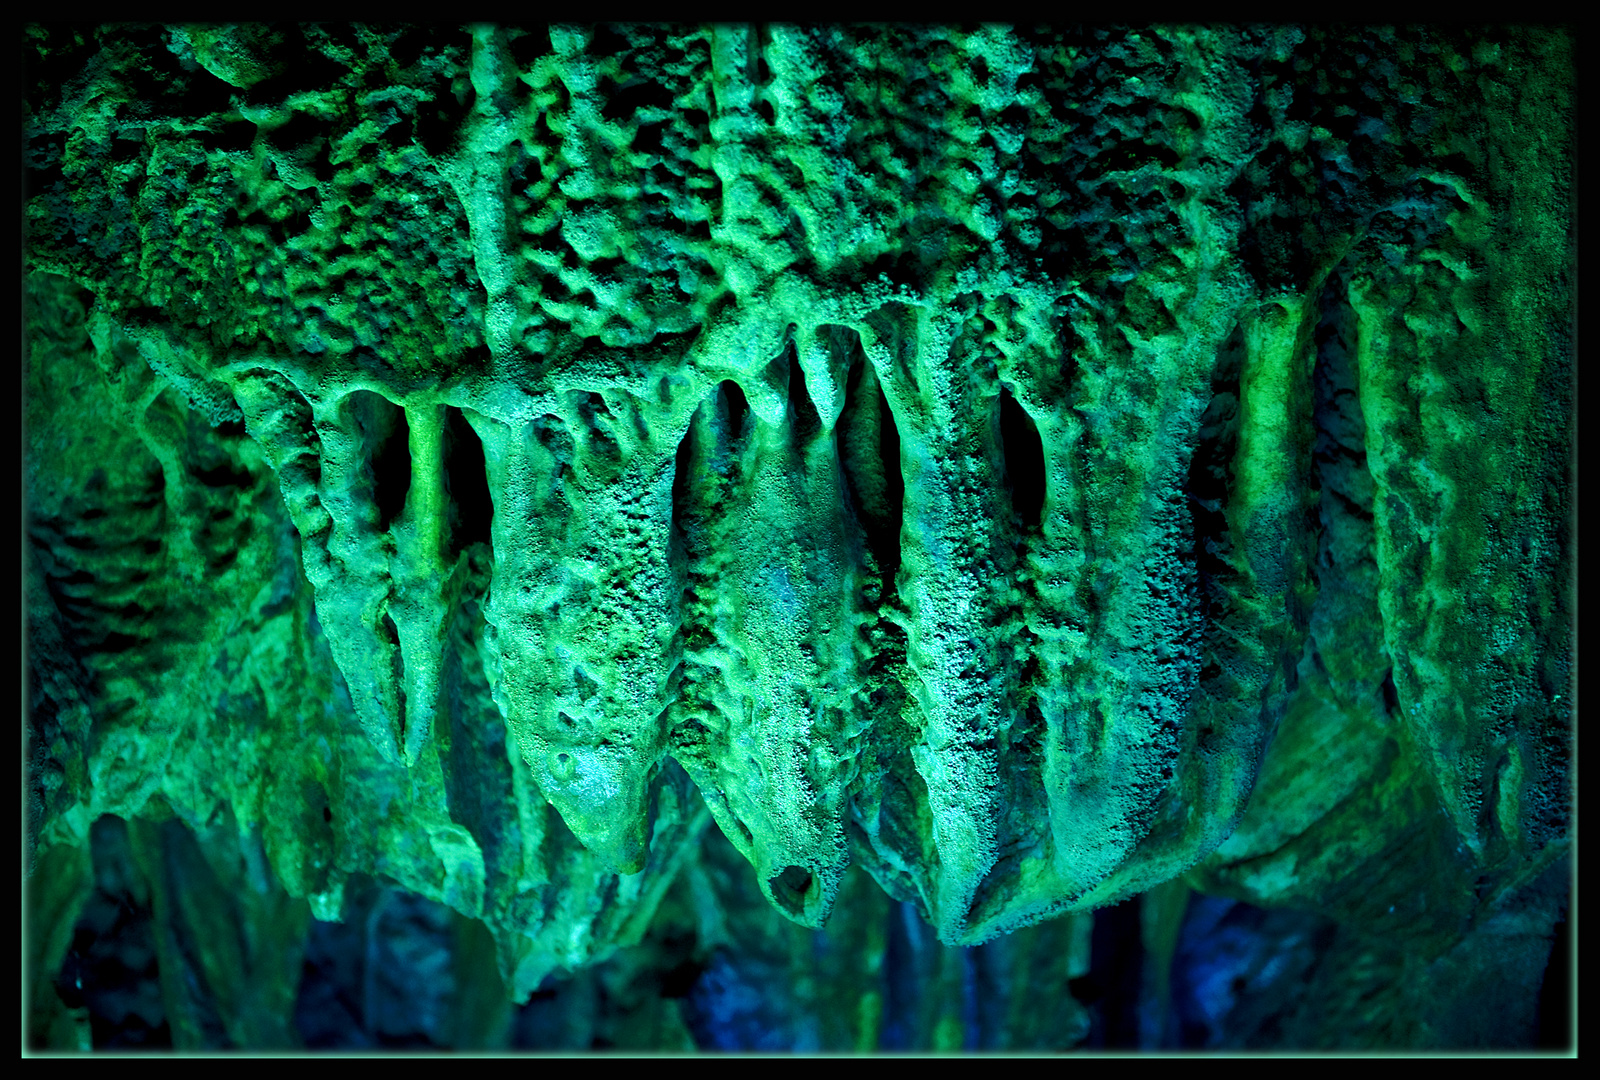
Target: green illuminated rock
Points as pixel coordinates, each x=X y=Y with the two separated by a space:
x=1030 y=466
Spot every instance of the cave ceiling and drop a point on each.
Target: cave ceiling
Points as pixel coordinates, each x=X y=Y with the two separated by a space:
x=1027 y=466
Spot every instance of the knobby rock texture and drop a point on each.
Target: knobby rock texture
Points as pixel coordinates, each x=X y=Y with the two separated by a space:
x=1031 y=467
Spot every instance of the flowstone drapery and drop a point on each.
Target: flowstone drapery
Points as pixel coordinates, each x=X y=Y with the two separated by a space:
x=957 y=454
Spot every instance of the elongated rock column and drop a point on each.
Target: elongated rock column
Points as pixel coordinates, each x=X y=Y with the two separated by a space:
x=583 y=608
x=424 y=583
x=952 y=488
x=385 y=590
x=324 y=471
x=783 y=613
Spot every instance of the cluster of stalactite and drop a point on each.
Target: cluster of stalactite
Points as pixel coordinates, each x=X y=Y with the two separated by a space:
x=953 y=462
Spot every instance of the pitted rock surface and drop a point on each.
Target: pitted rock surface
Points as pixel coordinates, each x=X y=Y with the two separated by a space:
x=1032 y=465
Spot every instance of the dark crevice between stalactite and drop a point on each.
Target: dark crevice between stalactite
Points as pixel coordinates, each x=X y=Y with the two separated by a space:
x=386 y=438
x=869 y=452
x=755 y=61
x=760 y=75
x=1339 y=451
x=682 y=466
x=1111 y=989
x=466 y=481
x=744 y=830
x=1340 y=514
x=679 y=561
x=734 y=408
x=805 y=424
x=390 y=634
x=889 y=454
x=1024 y=460
x=1391 y=696
x=1210 y=487
x=1494 y=838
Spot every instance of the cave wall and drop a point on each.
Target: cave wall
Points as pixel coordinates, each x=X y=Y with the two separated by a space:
x=1018 y=468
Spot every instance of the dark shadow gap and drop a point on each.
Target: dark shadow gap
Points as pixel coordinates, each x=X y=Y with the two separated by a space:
x=1339 y=450
x=386 y=437
x=805 y=424
x=627 y=98
x=390 y=633
x=466 y=482
x=1555 y=993
x=443 y=114
x=1211 y=479
x=1391 y=695
x=869 y=454
x=889 y=452
x=1111 y=989
x=683 y=462
x=1024 y=461
x=734 y=409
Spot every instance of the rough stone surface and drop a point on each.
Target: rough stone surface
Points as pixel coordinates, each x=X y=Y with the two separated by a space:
x=468 y=468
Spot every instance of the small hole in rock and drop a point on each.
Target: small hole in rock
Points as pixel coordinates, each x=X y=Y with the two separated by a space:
x=790 y=887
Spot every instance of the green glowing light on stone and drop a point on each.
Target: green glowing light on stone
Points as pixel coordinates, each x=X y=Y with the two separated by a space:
x=1018 y=469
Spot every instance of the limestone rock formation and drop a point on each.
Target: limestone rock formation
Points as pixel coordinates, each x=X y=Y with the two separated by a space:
x=1030 y=466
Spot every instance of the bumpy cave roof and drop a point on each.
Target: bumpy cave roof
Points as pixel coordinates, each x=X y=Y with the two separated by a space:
x=1029 y=466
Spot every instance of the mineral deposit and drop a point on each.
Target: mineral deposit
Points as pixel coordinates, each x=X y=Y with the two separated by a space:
x=1020 y=467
